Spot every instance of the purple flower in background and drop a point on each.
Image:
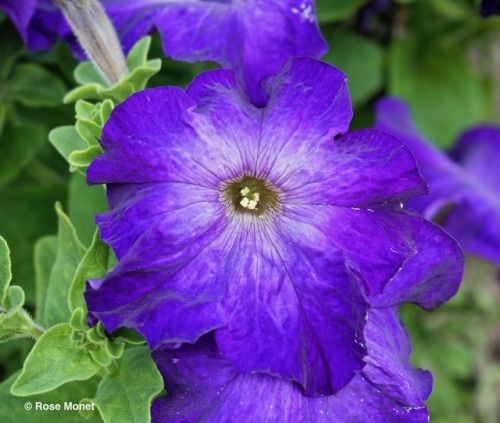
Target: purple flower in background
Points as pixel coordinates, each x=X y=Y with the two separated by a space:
x=490 y=8
x=204 y=387
x=20 y=13
x=262 y=224
x=252 y=37
x=367 y=13
x=464 y=185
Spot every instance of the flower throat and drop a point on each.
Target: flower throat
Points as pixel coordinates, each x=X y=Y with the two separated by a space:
x=250 y=195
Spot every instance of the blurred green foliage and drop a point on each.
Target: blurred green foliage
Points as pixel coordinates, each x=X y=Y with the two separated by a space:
x=460 y=344
x=438 y=55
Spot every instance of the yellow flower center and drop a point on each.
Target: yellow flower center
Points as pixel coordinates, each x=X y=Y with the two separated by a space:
x=252 y=196
x=250 y=199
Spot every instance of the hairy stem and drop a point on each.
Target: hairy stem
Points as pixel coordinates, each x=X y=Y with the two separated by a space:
x=97 y=36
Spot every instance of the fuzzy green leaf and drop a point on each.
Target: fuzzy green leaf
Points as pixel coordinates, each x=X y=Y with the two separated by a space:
x=65 y=139
x=114 y=349
x=138 y=55
x=86 y=73
x=44 y=257
x=89 y=131
x=85 y=110
x=94 y=264
x=107 y=107
x=126 y=395
x=34 y=86
x=140 y=76
x=100 y=356
x=52 y=362
x=78 y=320
x=83 y=158
x=69 y=254
x=129 y=336
x=118 y=92
x=15 y=299
x=85 y=92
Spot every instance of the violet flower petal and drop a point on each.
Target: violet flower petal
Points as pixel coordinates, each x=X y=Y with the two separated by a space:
x=187 y=226
x=364 y=169
x=375 y=242
x=430 y=277
x=204 y=387
x=298 y=302
x=253 y=37
x=300 y=108
x=177 y=145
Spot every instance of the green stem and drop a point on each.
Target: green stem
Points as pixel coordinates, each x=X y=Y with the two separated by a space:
x=36 y=331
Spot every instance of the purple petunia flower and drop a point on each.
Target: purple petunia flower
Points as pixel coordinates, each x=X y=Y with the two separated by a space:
x=262 y=224
x=464 y=185
x=252 y=37
x=204 y=387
